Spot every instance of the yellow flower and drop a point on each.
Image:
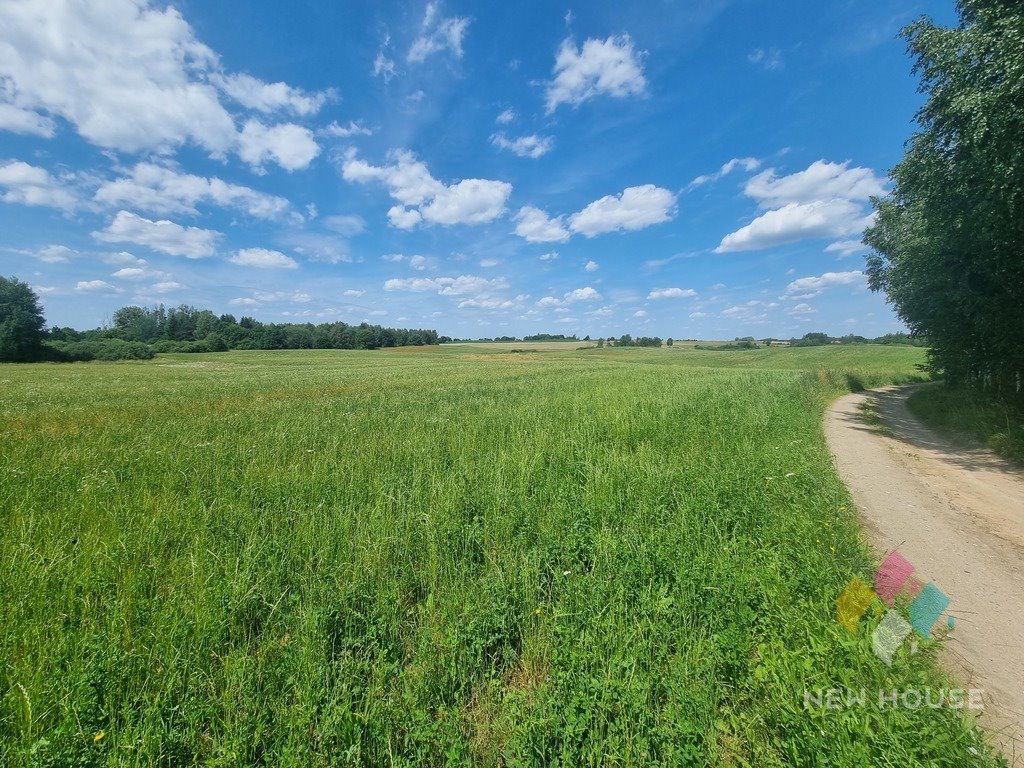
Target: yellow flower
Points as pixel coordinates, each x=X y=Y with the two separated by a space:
x=98 y=737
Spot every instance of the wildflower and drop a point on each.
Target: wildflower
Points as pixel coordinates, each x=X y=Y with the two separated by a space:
x=98 y=737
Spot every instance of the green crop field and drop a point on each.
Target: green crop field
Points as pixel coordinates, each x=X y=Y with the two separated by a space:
x=462 y=555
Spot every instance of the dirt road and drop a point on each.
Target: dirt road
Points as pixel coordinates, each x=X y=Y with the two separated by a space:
x=957 y=513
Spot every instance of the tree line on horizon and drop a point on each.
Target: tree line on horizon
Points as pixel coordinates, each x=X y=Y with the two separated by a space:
x=140 y=332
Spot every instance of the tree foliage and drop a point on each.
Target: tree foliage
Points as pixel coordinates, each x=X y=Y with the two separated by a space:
x=21 y=322
x=948 y=239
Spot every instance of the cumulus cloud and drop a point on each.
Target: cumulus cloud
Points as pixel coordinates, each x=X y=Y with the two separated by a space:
x=152 y=187
x=95 y=286
x=579 y=294
x=592 y=266
x=635 y=208
x=437 y=34
x=55 y=254
x=532 y=146
x=610 y=67
x=748 y=164
x=167 y=286
x=163 y=236
x=535 y=226
x=821 y=180
x=671 y=293
x=802 y=309
x=796 y=221
x=506 y=117
x=809 y=287
x=18 y=120
x=446 y=286
x=424 y=199
x=30 y=185
x=550 y=256
x=129 y=75
x=824 y=200
x=255 y=94
x=263 y=258
x=290 y=146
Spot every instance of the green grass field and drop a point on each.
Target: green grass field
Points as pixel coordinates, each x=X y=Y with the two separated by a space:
x=442 y=556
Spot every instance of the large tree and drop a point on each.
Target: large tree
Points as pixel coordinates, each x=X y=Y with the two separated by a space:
x=21 y=322
x=949 y=240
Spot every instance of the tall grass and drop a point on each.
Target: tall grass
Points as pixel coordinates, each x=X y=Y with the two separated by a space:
x=440 y=557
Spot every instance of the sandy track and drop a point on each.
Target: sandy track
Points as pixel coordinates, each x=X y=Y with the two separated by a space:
x=957 y=513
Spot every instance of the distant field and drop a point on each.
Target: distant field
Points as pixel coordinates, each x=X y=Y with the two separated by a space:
x=426 y=556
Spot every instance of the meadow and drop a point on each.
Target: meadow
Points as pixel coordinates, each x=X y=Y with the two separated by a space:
x=456 y=555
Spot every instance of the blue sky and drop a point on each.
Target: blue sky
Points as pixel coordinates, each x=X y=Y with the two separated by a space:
x=694 y=170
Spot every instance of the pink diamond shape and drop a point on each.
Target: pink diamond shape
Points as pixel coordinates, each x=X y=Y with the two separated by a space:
x=891 y=575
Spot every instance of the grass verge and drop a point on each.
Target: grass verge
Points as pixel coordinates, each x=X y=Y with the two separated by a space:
x=960 y=413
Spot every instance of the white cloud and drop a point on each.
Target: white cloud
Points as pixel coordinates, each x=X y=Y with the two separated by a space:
x=353 y=292
x=592 y=266
x=348 y=225
x=164 y=236
x=317 y=246
x=18 y=120
x=30 y=185
x=809 y=287
x=95 y=286
x=437 y=34
x=253 y=93
x=424 y=199
x=824 y=200
x=493 y=302
x=532 y=146
x=845 y=247
x=263 y=258
x=609 y=67
x=506 y=117
x=446 y=286
x=346 y=131
x=671 y=293
x=139 y=273
x=802 y=309
x=383 y=66
x=123 y=257
x=550 y=256
x=535 y=226
x=418 y=262
x=635 y=208
x=821 y=180
x=578 y=294
x=488 y=263
x=640 y=313
x=167 y=286
x=156 y=188
x=55 y=254
x=124 y=74
x=769 y=58
x=290 y=146
x=128 y=76
x=796 y=221
x=582 y=294
x=748 y=164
